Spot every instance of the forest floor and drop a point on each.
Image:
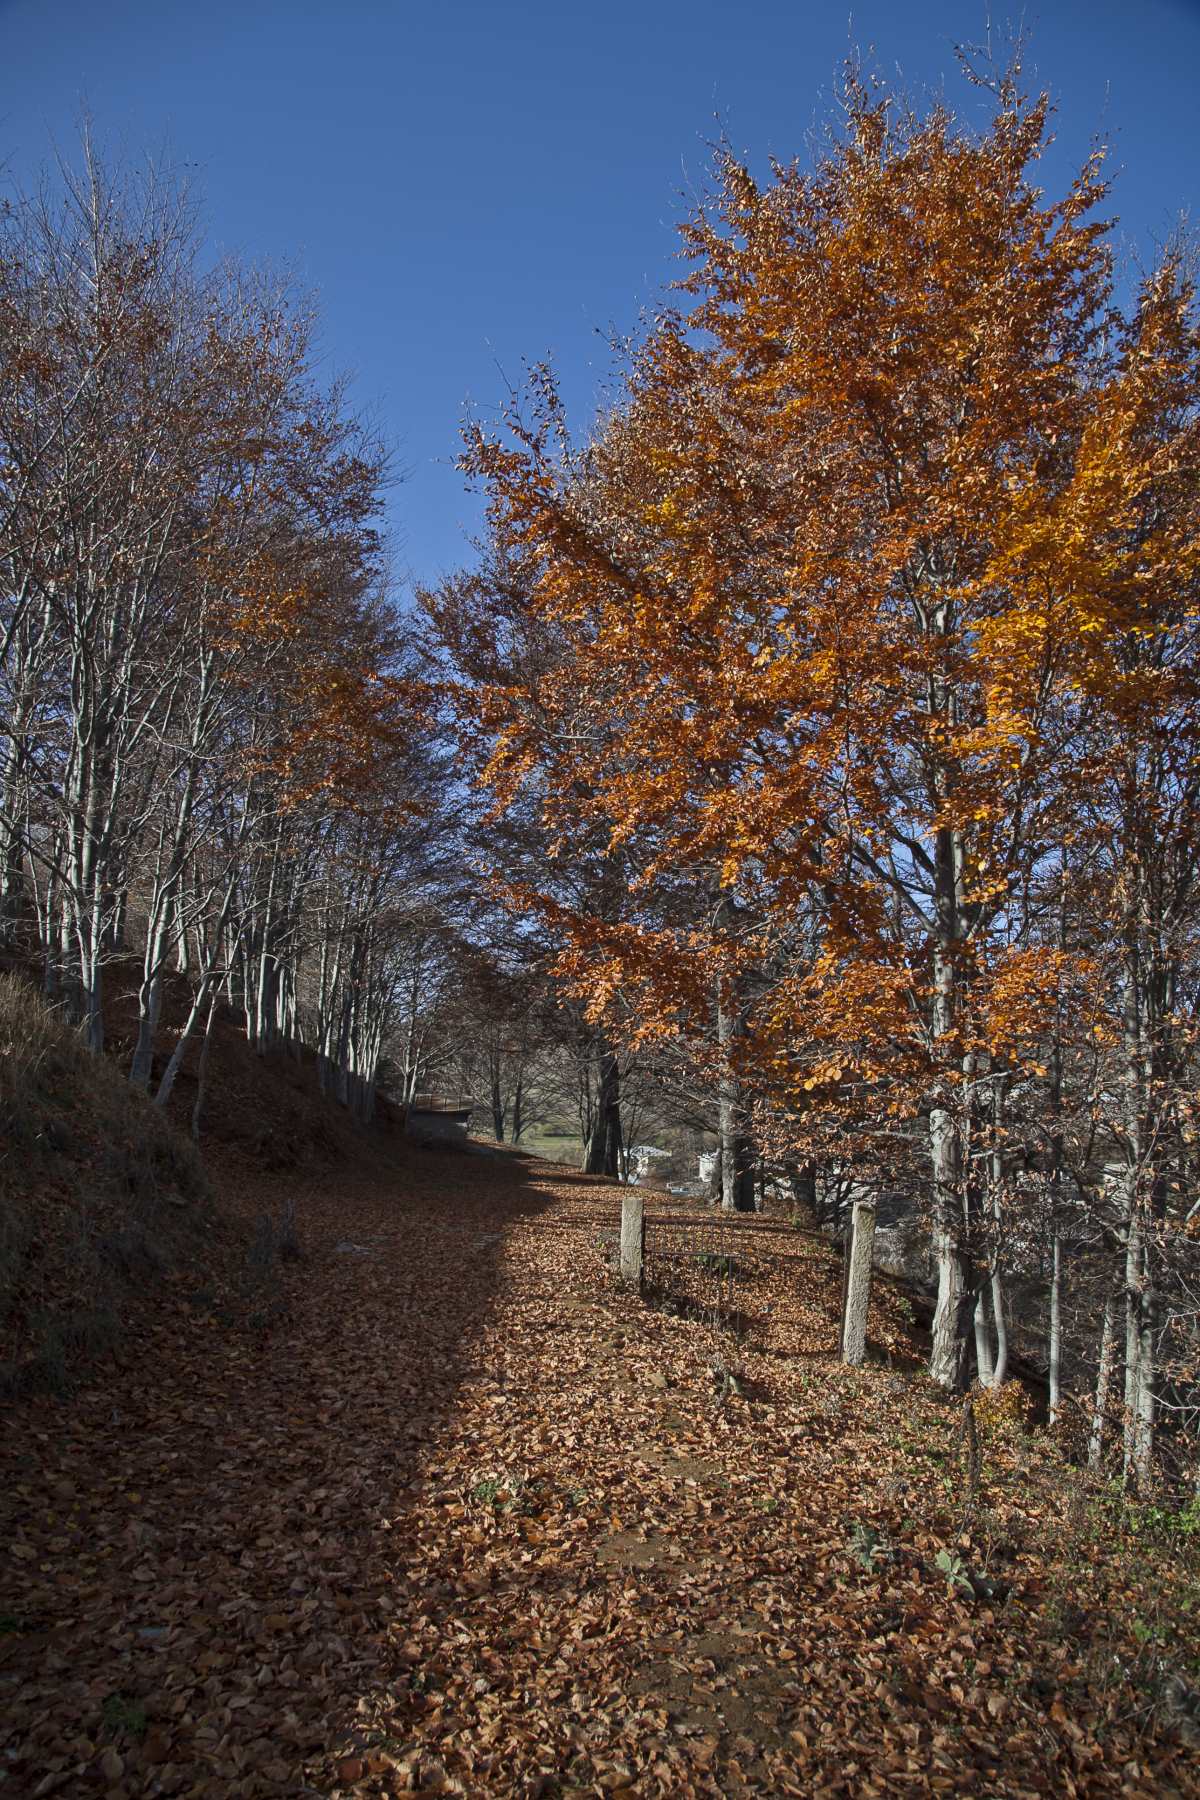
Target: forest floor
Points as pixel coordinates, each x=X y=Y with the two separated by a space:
x=444 y=1510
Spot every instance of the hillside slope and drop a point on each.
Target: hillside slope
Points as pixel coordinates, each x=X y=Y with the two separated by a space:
x=99 y=1194
x=106 y=1205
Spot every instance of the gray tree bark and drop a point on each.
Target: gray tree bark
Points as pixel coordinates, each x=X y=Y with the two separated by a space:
x=1104 y=1373
x=985 y=1365
x=1056 y=1327
x=602 y=1152
x=955 y=1294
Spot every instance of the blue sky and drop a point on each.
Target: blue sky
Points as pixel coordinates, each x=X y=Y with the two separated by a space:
x=466 y=186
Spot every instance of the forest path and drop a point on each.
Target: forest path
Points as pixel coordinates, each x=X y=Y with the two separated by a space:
x=465 y=1518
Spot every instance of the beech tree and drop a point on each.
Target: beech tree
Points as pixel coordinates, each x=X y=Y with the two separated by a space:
x=215 y=751
x=832 y=564
x=500 y=660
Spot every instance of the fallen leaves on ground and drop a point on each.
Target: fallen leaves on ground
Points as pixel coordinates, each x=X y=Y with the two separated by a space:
x=463 y=1517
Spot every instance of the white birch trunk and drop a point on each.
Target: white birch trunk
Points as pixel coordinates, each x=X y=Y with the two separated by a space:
x=1000 y=1370
x=985 y=1366
x=1104 y=1373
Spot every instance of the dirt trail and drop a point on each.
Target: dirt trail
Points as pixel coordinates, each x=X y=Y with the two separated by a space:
x=463 y=1519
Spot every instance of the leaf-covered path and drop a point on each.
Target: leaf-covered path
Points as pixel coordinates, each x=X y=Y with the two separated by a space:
x=464 y=1519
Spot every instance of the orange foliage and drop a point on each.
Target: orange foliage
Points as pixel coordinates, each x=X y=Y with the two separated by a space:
x=813 y=567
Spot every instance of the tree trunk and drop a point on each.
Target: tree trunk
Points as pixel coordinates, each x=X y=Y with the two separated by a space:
x=1108 y=1345
x=499 y=1109
x=1056 y=1327
x=158 y=930
x=602 y=1153
x=1136 y=1129
x=210 y=980
x=996 y=1184
x=1143 y=1425
x=1000 y=1371
x=737 y=1158
x=985 y=1366
x=1139 y=1363
x=955 y=1299
x=202 y=1071
x=955 y=1294
x=13 y=803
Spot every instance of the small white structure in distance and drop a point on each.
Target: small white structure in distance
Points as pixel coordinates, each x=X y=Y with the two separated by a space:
x=642 y=1158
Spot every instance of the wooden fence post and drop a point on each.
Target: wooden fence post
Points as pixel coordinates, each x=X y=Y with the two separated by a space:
x=858 y=1284
x=633 y=1235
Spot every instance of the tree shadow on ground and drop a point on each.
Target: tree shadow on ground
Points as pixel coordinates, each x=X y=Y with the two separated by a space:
x=203 y=1537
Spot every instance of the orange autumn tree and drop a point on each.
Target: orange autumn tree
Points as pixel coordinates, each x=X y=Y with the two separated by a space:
x=1119 y=558
x=559 y=864
x=785 y=557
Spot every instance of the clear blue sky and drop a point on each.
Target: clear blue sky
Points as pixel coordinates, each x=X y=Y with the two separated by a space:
x=469 y=185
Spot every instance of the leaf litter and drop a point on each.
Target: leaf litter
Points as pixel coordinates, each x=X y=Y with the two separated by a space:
x=460 y=1516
